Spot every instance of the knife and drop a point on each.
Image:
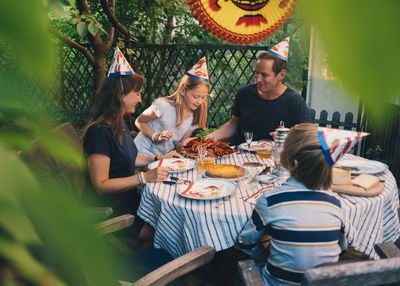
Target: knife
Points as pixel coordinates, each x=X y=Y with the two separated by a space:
x=170 y=182
x=179 y=180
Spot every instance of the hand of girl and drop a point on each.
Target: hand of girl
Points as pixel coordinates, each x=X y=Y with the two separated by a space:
x=164 y=136
x=156 y=175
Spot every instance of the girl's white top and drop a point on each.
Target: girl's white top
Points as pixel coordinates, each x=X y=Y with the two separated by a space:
x=166 y=120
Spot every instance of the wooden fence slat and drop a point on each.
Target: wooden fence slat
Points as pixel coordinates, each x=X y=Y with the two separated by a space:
x=348 y=121
x=336 y=120
x=323 y=118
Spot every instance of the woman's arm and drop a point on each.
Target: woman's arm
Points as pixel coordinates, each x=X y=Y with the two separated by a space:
x=144 y=160
x=99 y=166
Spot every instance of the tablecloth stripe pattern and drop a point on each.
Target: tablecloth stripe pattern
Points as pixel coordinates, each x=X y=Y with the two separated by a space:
x=182 y=225
x=371 y=220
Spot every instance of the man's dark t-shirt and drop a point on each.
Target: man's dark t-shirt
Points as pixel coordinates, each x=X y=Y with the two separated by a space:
x=262 y=116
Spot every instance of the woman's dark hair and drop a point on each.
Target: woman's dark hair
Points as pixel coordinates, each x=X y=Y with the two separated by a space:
x=303 y=146
x=108 y=108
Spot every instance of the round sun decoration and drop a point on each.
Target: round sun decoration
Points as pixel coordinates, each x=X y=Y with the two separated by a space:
x=241 y=21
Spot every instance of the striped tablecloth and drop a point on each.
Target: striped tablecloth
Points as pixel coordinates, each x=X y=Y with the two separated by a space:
x=182 y=225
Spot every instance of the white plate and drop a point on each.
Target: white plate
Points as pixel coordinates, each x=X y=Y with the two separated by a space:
x=207 y=189
x=176 y=164
x=363 y=166
x=253 y=146
x=267 y=178
x=233 y=180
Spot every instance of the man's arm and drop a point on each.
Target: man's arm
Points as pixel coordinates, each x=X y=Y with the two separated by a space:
x=226 y=131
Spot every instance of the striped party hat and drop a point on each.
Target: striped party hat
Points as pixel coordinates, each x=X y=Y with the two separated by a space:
x=336 y=142
x=281 y=50
x=199 y=70
x=119 y=65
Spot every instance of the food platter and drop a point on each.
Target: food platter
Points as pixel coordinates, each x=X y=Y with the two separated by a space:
x=244 y=175
x=194 y=156
x=175 y=164
x=358 y=167
x=215 y=149
x=207 y=189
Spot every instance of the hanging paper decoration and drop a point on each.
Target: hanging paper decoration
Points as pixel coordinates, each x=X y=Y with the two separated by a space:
x=241 y=21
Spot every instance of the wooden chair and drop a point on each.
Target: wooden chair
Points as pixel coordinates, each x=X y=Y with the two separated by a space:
x=52 y=170
x=369 y=272
x=71 y=178
x=249 y=273
x=168 y=272
x=176 y=268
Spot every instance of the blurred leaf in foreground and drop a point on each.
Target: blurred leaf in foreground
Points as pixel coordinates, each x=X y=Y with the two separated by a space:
x=45 y=236
x=361 y=40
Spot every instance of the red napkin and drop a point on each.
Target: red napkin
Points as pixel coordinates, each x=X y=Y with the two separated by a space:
x=160 y=163
x=188 y=188
x=260 y=190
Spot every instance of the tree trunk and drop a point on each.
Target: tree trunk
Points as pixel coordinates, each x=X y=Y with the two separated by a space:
x=99 y=70
x=169 y=27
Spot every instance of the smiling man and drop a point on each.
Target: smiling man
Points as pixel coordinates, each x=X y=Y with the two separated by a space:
x=260 y=107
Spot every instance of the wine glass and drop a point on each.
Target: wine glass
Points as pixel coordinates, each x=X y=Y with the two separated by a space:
x=249 y=137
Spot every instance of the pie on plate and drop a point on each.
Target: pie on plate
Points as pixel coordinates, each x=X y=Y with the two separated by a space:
x=225 y=171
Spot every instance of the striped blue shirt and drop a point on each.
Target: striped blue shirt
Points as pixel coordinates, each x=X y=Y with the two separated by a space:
x=306 y=229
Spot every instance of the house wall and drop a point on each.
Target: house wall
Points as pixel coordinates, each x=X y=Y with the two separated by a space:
x=324 y=91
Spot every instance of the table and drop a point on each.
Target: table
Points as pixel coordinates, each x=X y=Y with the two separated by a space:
x=182 y=225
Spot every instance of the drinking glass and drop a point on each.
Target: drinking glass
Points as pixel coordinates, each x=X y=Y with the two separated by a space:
x=265 y=149
x=200 y=157
x=249 y=137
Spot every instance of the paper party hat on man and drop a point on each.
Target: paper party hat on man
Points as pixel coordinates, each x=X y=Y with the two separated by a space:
x=119 y=65
x=281 y=50
x=199 y=70
x=336 y=142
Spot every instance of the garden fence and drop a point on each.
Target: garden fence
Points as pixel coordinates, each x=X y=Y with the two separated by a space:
x=229 y=67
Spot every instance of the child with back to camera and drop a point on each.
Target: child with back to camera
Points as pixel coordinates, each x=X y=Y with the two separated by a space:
x=303 y=220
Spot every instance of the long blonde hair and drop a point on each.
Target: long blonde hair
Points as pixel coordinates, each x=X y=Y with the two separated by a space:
x=200 y=114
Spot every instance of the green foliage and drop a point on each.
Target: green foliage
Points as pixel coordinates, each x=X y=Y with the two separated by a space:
x=202 y=133
x=361 y=45
x=45 y=238
x=374 y=153
x=377 y=154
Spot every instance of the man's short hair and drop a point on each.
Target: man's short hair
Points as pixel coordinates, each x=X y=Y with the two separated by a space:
x=278 y=65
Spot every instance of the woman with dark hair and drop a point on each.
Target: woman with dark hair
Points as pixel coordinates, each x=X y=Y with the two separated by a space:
x=303 y=220
x=111 y=152
x=169 y=122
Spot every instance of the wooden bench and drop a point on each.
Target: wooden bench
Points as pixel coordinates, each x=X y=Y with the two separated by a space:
x=370 y=272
